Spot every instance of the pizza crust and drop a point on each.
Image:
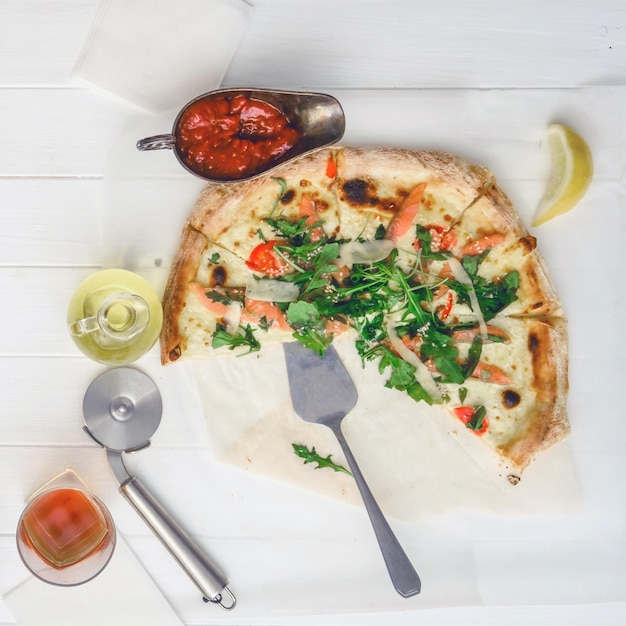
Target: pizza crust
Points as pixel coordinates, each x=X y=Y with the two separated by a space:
x=547 y=424
x=183 y=272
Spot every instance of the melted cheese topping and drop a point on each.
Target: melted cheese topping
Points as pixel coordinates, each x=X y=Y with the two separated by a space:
x=363 y=252
x=268 y=290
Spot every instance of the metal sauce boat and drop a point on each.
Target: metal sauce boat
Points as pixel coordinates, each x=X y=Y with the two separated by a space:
x=319 y=119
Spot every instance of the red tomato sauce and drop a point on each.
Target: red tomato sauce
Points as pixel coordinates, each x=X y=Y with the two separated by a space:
x=233 y=137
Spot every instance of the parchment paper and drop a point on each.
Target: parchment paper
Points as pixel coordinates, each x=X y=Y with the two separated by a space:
x=416 y=459
x=510 y=557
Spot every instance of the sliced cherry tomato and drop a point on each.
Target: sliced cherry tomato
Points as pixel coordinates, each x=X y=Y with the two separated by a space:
x=331 y=168
x=468 y=415
x=448 y=306
x=441 y=238
x=265 y=260
x=448 y=241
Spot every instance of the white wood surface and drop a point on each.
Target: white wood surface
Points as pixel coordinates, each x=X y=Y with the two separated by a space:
x=56 y=139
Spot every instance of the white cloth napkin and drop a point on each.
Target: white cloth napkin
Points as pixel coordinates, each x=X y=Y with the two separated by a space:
x=123 y=595
x=158 y=54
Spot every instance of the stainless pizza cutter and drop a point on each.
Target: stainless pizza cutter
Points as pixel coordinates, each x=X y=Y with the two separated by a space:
x=122 y=409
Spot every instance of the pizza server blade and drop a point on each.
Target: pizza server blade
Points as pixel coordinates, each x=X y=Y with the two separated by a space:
x=322 y=392
x=122 y=409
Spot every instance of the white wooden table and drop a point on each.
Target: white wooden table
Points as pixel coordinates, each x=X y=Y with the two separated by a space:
x=57 y=138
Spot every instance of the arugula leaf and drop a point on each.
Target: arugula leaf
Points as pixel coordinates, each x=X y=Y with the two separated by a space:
x=425 y=240
x=322 y=267
x=381 y=286
x=310 y=327
x=314 y=340
x=477 y=419
x=303 y=314
x=444 y=357
x=371 y=329
x=311 y=456
x=493 y=296
x=402 y=375
x=366 y=291
x=261 y=235
x=282 y=183
x=216 y=296
x=471 y=263
x=412 y=301
x=473 y=356
x=264 y=323
x=243 y=337
x=314 y=265
x=294 y=232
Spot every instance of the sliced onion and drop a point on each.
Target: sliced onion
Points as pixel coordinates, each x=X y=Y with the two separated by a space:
x=270 y=290
x=353 y=252
x=463 y=277
x=233 y=317
x=422 y=375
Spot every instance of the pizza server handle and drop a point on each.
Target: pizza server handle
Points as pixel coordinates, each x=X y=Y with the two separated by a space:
x=405 y=579
x=209 y=579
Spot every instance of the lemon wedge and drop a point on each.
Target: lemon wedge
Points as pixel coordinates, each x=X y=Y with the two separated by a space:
x=572 y=171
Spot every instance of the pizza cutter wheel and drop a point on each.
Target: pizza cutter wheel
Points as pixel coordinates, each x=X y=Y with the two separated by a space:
x=122 y=409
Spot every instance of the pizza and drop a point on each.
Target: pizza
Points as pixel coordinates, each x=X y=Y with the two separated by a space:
x=418 y=256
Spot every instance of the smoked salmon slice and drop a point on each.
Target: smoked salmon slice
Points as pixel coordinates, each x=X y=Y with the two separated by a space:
x=491 y=374
x=405 y=216
x=494 y=334
x=308 y=211
x=255 y=310
x=478 y=246
x=215 y=306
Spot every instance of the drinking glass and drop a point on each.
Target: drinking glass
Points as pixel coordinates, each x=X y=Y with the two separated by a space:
x=65 y=535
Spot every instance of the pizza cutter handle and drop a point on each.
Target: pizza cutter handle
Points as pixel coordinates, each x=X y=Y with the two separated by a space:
x=202 y=571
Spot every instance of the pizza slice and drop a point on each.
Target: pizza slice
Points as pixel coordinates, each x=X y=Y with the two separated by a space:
x=493 y=246
x=378 y=186
x=225 y=285
x=239 y=217
x=515 y=397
